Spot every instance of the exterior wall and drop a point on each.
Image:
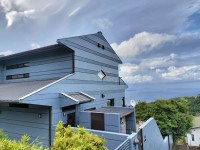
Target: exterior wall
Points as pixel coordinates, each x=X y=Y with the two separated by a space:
x=89 y=60
x=111 y=121
x=55 y=64
x=196 y=133
x=113 y=140
x=16 y=122
x=152 y=138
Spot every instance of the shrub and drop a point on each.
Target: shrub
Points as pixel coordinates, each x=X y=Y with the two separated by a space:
x=76 y=139
x=23 y=144
x=2 y=135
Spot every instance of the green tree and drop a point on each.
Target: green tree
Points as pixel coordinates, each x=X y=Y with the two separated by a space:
x=76 y=139
x=171 y=116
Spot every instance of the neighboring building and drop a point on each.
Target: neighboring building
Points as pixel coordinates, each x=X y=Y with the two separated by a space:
x=76 y=81
x=193 y=138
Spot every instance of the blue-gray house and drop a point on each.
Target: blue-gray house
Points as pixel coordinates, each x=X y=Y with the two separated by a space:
x=75 y=80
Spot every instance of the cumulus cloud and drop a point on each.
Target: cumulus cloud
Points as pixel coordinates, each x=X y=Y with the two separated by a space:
x=182 y=73
x=130 y=71
x=103 y=23
x=153 y=63
x=138 y=79
x=5 y=53
x=141 y=43
x=34 y=45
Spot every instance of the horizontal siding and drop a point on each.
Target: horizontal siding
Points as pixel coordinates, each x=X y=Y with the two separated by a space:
x=78 y=45
x=99 y=62
x=96 y=71
x=95 y=43
x=90 y=66
x=19 y=121
x=51 y=65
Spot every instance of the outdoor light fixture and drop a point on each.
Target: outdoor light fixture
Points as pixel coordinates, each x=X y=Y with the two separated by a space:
x=64 y=114
x=102 y=95
x=136 y=141
x=39 y=115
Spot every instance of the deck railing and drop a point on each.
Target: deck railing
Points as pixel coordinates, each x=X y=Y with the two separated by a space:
x=124 y=146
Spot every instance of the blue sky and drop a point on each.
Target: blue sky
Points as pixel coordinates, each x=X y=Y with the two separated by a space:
x=158 y=41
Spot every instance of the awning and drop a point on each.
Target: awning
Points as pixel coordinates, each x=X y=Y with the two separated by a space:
x=123 y=111
x=79 y=97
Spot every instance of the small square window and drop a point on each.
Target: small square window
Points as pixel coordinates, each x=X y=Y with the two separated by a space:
x=110 y=102
x=101 y=75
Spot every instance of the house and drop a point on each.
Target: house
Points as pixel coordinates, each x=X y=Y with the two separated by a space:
x=193 y=138
x=76 y=81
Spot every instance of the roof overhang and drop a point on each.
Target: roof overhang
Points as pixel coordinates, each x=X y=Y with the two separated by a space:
x=78 y=97
x=123 y=111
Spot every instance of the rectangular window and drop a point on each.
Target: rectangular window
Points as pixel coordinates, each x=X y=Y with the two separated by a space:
x=192 y=137
x=22 y=65
x=17 y=76
x=111 y=102
x=19 y=105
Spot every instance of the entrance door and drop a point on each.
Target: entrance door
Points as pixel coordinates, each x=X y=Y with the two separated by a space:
x=71 y=119
x=97 y=121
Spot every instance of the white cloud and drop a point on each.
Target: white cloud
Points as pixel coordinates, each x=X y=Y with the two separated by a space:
x=34 y=45
x=182 y=73
x=141 y=43
x=138 y=79
x=128 y=69
x=103 y=23
x=153 y=63
x=74 y=11
x=14 y=16
x=6 y=5
x=5 y=53
x=137 y=73
x=40 y=11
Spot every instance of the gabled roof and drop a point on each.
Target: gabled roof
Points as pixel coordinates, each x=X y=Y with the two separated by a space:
x=79 y=97
x=67 y=42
